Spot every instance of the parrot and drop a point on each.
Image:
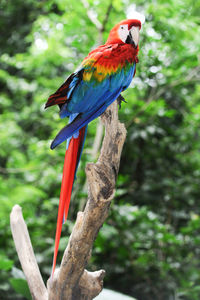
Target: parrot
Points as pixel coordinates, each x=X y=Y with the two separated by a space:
x=106 y=72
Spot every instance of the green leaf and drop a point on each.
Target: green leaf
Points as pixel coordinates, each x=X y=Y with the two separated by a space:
x=21 y=287
x=5 y=264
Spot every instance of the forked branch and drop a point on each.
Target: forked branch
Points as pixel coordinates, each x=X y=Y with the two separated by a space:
x=71 y=281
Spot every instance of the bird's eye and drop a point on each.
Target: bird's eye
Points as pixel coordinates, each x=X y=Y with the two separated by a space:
x=122 y=27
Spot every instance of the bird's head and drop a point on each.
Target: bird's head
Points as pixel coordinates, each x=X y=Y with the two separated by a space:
x=125 y=32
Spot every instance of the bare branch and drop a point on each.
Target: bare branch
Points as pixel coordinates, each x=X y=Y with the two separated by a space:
x=93 y=18
x=26 y=255
x=72 y=281
x=105 y=21
x=91 y=15
x=91 y=283
x=101 y=186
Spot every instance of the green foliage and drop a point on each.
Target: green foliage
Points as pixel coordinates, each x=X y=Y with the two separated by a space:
x=145 y=246
x=21 y=287
x=150 y=243
x=5 y=263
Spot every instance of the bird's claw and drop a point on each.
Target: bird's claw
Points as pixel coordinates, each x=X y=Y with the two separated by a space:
x=120 y=99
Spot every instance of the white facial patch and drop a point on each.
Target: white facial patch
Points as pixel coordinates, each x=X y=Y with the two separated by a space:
x=123 y=32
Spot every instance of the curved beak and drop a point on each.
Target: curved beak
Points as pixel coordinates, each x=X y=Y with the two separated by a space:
x=133 y=36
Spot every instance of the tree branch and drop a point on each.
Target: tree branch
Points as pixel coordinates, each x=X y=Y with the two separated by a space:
x=91 y=15
x=26 y=255
x=101 y=184
x=71 y=281
x=105 y=21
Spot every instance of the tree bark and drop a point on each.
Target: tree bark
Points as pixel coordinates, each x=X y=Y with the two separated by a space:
x=71 y=281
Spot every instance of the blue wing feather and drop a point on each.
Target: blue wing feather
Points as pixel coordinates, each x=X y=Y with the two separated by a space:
x=89 y=100
x=82 y=120
x=86 y=95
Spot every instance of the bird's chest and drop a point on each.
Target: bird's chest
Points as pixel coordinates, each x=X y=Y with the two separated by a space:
x=118 y=60
x=121 y=55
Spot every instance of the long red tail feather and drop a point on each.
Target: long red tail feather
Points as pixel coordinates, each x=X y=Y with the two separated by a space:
x=72 y=157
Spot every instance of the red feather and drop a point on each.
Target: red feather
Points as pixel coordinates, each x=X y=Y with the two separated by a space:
x=60 y=96
x=72 y=157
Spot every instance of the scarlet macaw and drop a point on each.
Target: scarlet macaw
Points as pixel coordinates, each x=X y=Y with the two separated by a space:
x=103 y=75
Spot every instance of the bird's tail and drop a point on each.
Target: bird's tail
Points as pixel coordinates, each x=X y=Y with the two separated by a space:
x=72 y=157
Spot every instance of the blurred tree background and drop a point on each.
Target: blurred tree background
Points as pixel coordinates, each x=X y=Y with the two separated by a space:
x=150 y=245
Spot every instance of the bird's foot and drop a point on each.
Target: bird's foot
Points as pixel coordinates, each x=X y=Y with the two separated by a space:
x=120 y=99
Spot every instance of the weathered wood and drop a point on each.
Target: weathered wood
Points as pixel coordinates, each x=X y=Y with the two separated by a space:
x=26 y=255
x=71 y=281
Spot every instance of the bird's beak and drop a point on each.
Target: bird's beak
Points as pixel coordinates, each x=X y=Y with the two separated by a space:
x=133 y=36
